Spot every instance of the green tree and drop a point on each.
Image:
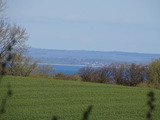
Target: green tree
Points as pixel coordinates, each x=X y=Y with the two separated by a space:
x=153 y=75
x=20 y=65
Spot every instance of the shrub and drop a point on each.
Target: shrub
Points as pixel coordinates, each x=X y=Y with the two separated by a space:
x=62 y=76
x=119 y=73
x=20 y=65
x=43 y=71
x=103 y=75
x=136 y=74
x=87 y=73
x=122 y=74
x=129 y=74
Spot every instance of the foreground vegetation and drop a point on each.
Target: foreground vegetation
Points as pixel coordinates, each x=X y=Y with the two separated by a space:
x=37 y=98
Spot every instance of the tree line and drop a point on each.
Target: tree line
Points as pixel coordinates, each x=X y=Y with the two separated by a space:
x=124 y=74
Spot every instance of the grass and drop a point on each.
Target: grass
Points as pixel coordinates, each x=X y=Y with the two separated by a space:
x=41 y=99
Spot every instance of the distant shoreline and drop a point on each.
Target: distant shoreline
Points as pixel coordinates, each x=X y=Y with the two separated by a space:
x=68 y=65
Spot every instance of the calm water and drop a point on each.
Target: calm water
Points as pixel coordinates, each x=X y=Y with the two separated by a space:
x=67 y=69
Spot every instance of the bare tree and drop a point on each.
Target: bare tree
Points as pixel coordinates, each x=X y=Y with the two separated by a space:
x=10 y=34
x=2 y=7
x=14 y=37
x=129 y=74
x=135 y=74
x=87 y=73
x=4 y=63
x=118 y=71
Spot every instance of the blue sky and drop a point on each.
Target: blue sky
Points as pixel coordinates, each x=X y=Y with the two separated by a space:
x=99 y=25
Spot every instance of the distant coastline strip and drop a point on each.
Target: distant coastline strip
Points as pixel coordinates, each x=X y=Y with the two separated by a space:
x=68 y=65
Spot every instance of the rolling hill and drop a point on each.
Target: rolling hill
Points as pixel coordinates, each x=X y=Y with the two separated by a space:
x=95 y=58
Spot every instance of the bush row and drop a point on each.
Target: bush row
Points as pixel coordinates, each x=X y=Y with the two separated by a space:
x=122 y=74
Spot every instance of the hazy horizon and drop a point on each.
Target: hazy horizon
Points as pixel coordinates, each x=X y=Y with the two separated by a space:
x=105 y=25
x=91 y=50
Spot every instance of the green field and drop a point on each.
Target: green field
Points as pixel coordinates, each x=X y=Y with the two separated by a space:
x=40 y=99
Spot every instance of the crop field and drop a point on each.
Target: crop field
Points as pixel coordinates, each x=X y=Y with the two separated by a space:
x=41 y=99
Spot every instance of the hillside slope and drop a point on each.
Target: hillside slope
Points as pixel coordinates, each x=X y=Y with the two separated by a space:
x=41 y=99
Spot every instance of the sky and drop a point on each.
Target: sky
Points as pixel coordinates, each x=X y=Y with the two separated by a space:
x=99 y=25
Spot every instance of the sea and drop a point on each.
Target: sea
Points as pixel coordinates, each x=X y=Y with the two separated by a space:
x=67 y=69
